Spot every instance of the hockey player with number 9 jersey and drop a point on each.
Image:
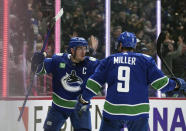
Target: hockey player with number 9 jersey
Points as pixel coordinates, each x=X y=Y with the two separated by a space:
x=128 y=75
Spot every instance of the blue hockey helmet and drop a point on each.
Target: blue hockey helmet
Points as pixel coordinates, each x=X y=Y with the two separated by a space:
x=127 y=39
x=77 y=41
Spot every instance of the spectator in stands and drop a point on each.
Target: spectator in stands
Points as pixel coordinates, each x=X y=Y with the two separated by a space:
x=114 y=38
x=169 y=52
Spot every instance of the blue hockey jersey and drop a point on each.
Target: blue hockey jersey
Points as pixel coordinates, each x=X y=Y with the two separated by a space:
x=68 y=78
x=128 y=76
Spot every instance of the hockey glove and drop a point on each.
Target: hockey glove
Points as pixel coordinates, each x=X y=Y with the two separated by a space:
x=181 y=84
x=81 y=106
x=37 y=59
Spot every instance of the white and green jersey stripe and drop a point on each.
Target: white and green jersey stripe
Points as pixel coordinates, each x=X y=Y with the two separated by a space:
x=126 y=109
x=61 y=102
x=93 y=86
x=160 y=83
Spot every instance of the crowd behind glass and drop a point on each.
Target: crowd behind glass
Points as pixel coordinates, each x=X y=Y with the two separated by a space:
x=29 y=25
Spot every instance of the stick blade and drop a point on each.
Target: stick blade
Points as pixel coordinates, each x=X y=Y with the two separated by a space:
x=60 y=13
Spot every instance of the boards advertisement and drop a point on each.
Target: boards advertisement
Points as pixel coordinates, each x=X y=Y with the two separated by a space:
x=165 y=115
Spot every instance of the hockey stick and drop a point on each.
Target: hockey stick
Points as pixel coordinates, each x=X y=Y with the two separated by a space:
x=53 y=21
x=160 y=40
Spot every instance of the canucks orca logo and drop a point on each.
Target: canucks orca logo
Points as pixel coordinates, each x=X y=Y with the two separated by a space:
x=71 y=82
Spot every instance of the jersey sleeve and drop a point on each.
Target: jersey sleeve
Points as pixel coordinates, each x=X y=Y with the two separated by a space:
x=157 y=79
x=47 y=66
x=96 y=81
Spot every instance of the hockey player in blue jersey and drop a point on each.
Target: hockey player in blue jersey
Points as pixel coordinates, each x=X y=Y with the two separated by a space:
x=128 y=75
x=70 y=73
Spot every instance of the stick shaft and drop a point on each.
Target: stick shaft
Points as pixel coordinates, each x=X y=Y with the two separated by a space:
x=58 y=16
x=27 y=94
x=46 y=39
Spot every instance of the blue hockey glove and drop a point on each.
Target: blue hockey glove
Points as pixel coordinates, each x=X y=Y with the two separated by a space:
x=37 y=59
x=181 y=83
x=81 y=106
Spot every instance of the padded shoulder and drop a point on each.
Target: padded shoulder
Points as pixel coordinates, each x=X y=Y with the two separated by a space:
x=146 y=55
x=92 y=59
x=59 y=54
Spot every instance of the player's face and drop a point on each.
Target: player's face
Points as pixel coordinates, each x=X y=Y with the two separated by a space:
x=80 y=53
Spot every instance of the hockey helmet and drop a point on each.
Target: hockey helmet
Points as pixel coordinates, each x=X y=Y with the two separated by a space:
x=127 y=39
x=77 y=41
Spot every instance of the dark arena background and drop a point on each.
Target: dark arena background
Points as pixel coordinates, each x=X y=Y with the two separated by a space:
x=23 y=29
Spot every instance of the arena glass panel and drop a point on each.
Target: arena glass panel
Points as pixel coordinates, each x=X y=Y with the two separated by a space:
x=142 y=18
x=1 y=43
x=174 y=47
x=139 y=17
x=28 y=26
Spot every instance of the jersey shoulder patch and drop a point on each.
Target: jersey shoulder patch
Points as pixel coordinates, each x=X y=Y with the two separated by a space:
x=146 y=55
x=59 y=54
x=92 y=59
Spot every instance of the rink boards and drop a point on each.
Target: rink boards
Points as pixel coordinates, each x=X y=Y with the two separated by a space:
x=165 y=114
